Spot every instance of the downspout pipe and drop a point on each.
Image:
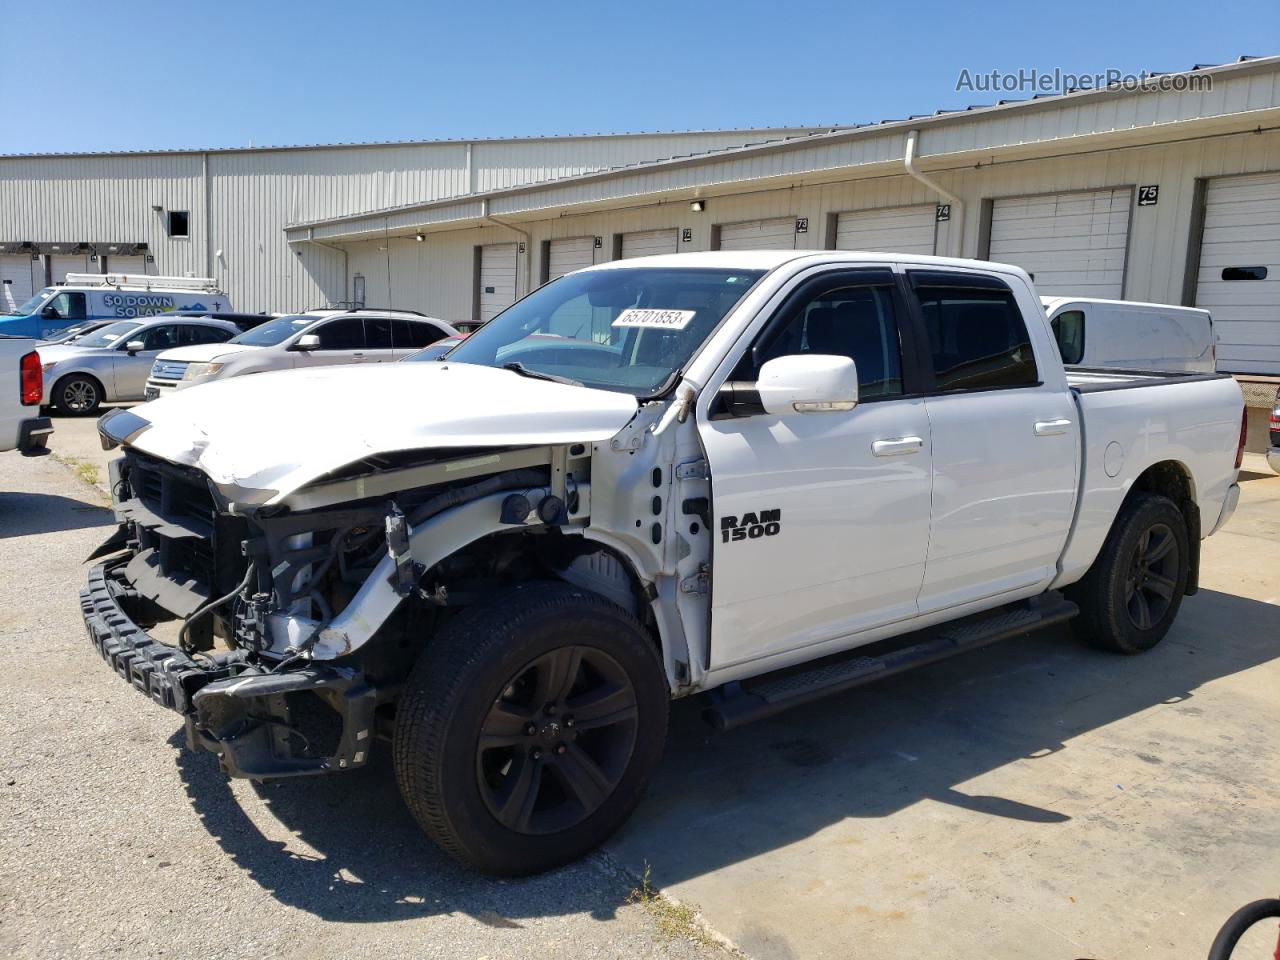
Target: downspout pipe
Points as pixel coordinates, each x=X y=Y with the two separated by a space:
x=346 y=277
x=528 y=244
x=957 y=205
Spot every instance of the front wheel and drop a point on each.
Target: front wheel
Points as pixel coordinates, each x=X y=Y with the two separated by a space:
x=1131 y=594
x=77 y=395
x=530 y=728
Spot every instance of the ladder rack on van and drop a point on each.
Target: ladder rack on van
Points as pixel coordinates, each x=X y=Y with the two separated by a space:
x=143 y=280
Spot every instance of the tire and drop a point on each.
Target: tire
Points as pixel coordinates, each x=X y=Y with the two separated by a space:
x=1131 y=594
x=77 y=395
x=1239 y=923
x=529 y=670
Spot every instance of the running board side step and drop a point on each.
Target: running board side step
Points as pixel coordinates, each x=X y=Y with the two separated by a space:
x=739 y=703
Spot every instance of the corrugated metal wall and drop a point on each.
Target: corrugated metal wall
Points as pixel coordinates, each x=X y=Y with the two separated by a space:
x=254 y=193
x=436 y=276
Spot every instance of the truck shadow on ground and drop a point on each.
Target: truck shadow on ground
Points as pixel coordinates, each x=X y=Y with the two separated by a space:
x=723 y=798
x=25 y=514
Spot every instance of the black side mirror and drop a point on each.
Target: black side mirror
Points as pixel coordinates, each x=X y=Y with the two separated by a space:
x=736 y=398
x=51 y=313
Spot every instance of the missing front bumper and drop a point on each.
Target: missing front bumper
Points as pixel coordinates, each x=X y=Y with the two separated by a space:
x=310 y=720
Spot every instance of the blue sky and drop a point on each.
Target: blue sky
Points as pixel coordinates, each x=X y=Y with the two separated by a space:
x=102 y=75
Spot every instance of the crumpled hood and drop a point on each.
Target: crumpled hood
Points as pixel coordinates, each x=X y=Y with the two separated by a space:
x=264 y=436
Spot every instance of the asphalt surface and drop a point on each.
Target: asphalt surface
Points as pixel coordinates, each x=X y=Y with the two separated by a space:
x=116 y=841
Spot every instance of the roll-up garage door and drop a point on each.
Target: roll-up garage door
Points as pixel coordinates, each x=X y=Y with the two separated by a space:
x=896 y=230
x=777 y=234
x=1072 y=243
x=1239 y=278
x=130 y=266
x=649 y=243
x=61 y=264
x=566 y=256
x=497 y=279
x=15 y=280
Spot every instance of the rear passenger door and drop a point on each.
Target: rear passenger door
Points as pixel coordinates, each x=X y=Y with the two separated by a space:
x=378 y=341
x=1005 y=441
x=410 y=336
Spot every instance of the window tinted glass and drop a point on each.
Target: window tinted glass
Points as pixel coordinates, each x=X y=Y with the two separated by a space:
x=70 y=306
x=159 y=338
x=977 y=338
x=856 y=321
x=109 y=334
x=413 y=335
x=377 y=333
x=1068 y=330
x=197 y=334
x=345 y=334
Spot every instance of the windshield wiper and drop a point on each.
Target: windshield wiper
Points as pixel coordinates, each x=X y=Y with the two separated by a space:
x=515 y=366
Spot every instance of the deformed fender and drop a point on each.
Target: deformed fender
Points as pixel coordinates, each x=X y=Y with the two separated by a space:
x=430 y=542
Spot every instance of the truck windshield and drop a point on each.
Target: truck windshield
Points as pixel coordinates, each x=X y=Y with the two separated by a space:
x=275 y=331
x=628 y=329
x=109 y=334
x=32 y=305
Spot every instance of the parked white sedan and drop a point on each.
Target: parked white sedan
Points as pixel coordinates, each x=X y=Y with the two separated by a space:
x=112 y=364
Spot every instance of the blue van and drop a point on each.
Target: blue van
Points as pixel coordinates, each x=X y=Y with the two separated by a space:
x=90 y=296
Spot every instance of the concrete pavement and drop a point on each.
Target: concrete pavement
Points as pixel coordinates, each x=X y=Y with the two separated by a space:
x=1036 y=798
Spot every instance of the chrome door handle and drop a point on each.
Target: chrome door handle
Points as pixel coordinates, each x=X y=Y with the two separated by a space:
x=897 y=447
x=1052 y=428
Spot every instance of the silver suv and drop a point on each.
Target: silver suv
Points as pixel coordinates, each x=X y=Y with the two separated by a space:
x=312 y=339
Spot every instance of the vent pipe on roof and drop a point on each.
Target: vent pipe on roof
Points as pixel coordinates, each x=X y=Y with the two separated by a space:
x=956 y=232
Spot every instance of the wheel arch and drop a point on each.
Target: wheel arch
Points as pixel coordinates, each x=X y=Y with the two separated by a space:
x=1173 y=479
x=82 y=373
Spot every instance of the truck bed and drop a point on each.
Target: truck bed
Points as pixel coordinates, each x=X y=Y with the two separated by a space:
x=1097 y=379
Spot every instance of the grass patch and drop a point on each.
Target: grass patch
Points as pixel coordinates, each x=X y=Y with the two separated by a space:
x=86 y=471
x=674 y=920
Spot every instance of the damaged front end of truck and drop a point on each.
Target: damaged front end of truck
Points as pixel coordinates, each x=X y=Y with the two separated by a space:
x=282 y=628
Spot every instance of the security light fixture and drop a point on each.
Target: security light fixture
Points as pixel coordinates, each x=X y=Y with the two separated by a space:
x=421 y=238
x=697 y=206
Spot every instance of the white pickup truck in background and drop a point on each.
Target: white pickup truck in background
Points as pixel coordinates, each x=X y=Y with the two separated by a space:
x=21 y=389
x=1131 y=335
x=769 y=476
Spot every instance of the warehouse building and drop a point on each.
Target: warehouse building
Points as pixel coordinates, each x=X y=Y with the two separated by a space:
x=1169 y=193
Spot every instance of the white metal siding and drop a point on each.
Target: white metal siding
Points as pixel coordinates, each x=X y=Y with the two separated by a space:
x=62 y=264
x=1242 y=229
x=15 y=280
x=1072 y=243
x=566 y=256
x=497 y=279
x=896 y=230
x=649 y=243
x=779 y=234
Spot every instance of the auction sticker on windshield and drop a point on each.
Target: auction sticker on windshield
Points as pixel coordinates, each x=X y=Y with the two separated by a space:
x=660 y=319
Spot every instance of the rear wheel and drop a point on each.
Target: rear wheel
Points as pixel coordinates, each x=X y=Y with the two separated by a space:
x=77 y=395
x=1131 y=594
x=530 y=727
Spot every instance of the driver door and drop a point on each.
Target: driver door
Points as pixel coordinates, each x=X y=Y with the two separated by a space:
x=821 y=520
x=130 y=371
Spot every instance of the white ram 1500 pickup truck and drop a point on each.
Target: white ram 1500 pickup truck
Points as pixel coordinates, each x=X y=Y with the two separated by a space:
x=644 y=480
x=21 y=389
